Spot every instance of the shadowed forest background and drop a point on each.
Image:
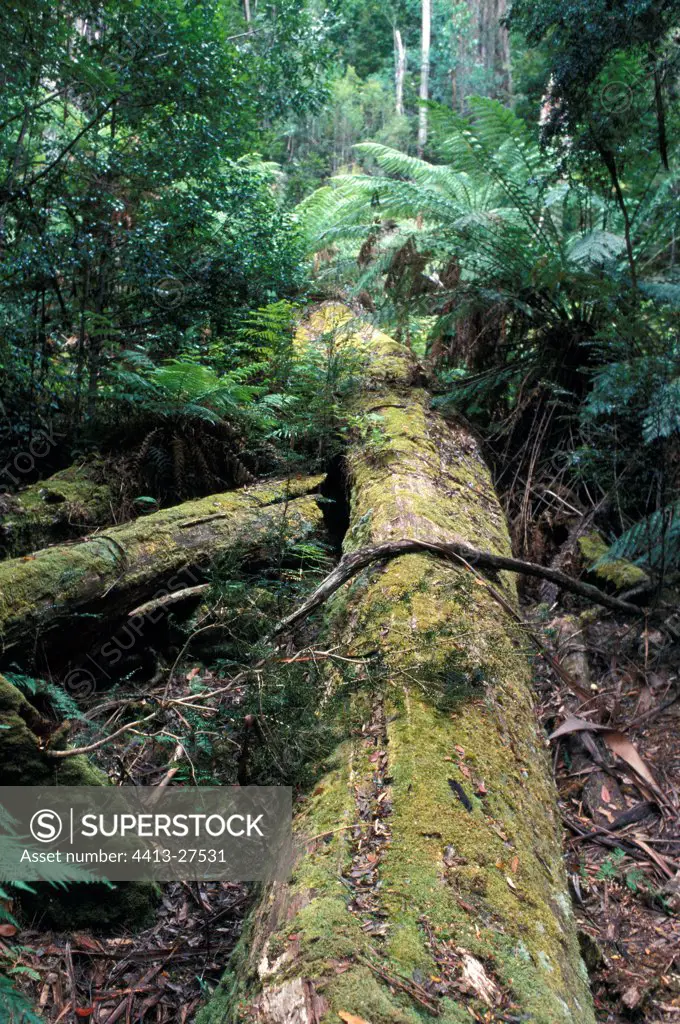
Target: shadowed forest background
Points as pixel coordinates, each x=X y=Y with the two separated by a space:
x=494 y=186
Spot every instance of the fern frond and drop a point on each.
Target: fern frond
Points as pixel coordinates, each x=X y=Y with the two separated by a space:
x=652 y=542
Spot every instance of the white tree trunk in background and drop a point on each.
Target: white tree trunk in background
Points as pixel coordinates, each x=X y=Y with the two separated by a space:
x=399 y=70
x=424 y=73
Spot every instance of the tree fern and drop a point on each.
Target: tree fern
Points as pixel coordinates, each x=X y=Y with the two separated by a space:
x=192 y=423
x=524 y=271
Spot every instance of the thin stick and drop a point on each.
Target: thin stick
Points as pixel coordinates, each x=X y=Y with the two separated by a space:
x=167 y=599
x=74 y=751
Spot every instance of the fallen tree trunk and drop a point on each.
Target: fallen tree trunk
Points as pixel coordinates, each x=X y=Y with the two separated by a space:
x=63 y=507
x=429 y=878
x=111 y=573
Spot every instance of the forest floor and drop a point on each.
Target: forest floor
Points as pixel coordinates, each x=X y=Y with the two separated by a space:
x=622 y=876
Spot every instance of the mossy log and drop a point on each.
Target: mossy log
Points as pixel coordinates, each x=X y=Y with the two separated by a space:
x=111 y=573
x=63 y=507
x=429 y=879
x=23 y=762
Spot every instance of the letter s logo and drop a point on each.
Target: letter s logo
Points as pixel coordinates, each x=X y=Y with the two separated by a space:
x=45 y=826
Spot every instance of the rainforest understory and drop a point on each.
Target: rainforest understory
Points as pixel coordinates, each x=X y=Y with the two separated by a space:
x=285 y=632
x=340 y=451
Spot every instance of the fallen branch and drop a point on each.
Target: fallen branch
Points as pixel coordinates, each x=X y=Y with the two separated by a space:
x=411 y=988
x=350 y=565
x=74 y=751
x=168 y=599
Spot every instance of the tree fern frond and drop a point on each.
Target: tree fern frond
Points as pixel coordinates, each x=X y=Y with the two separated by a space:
x=596 y=248
x=653 y=541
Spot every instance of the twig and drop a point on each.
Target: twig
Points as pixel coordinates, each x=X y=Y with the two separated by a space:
x=343 y=828
x=163 y=602
x=605 y=837
x=72 y=980
x=203 y=629
x=119 y=1010
x=74 y=751
x=416 y=992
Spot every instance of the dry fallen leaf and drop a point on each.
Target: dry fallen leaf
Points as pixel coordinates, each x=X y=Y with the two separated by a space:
x=8 y=930
x=574 y=724
x=349 y=1018
x=623 y=748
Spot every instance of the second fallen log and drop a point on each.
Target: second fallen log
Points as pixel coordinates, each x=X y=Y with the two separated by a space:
x=111 y=573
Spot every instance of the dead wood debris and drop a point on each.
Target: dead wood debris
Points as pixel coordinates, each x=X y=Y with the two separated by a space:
x=158 y=975
x=620 y=803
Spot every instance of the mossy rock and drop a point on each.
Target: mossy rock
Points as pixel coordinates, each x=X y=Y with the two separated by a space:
x=619 y=572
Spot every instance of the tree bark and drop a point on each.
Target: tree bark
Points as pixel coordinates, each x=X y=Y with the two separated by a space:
x=113 y=572
x=399 y=72
x=429 y=876
x=424 y=73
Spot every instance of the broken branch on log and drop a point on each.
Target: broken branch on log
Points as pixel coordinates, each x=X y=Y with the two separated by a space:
x=352 y=564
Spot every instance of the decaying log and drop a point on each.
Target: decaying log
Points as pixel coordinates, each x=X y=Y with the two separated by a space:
x=112 y=572
x=429 y=877
x=63 y=507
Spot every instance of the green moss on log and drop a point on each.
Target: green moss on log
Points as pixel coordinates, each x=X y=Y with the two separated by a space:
x=63 y=507
x=621 y=573
x=481 y=877
x=115 y=571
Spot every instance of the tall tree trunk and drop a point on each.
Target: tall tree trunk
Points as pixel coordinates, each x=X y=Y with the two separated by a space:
x=399 y=71
x=424 y=74
x=111 y=573
x=503 y=65
x=429 y=877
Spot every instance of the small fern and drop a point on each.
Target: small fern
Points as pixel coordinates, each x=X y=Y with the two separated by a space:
x=14 y=1006
x=60 y=702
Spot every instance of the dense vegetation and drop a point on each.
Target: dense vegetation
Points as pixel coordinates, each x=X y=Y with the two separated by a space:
x=179 y=180
x=153 y=156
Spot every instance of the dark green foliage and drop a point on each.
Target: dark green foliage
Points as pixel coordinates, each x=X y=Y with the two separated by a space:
x=14 y=1006
x=529 y=281
x=307 y=391
x=129 y=210
x=191 y=423
x=59 y=702
x=275 y=711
